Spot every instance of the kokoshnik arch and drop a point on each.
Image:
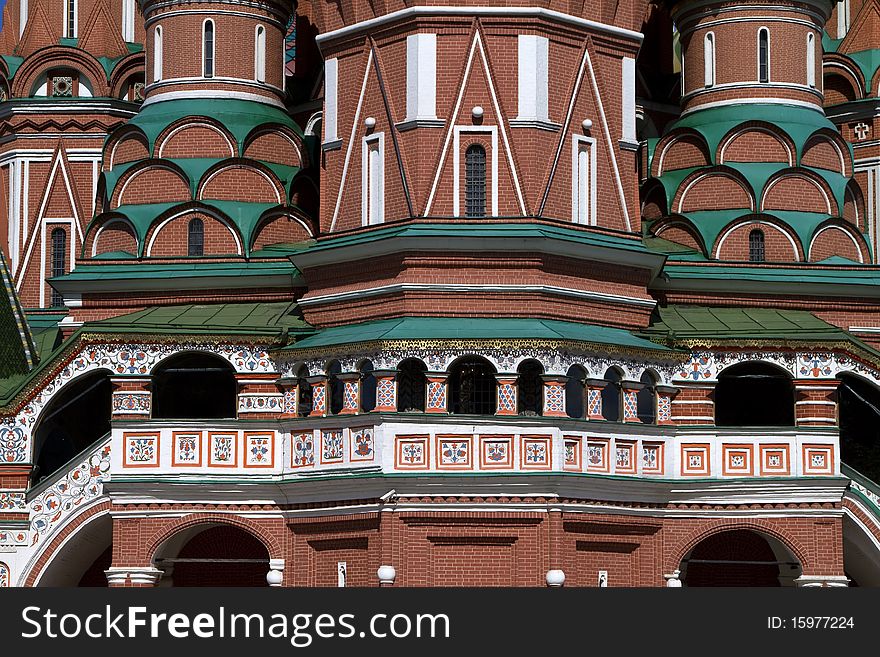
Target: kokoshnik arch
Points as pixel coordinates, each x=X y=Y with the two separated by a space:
x=353 y=295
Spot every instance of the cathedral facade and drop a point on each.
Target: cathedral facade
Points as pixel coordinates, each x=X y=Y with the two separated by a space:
x=371 y=294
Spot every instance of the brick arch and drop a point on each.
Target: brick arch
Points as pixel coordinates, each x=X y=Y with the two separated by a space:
x=837 y=239
x=55 y=57
x=842 y=78
x=680 y=150
x=133 y=64
x=275 y=143
x=854 y=205
x=756 y=142
x=129 y=145
x=715 y=189
x=272 y=545
x=151 y=182
x=698 y=535
x=169 y=233
x=823 y=152
x=780 y=239
x=653 y=201
x=798 y=190
x=116 y=233
x=195 y=136
x=48 y=552
x=304 y=195
x=681 y=231
x=280 y=228
x=241 y=180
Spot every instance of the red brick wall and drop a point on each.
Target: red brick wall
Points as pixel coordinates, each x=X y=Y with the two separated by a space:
x=172 y=238
x=244 y=184
x=278 y=230
x=195 y=141
x=713 y=192
x=152 y=185
x=118 y=236
x=833 y=242
x=130 y=149
x=820 y=153
x=688 y=151
x=798 y=193
x=777 y=247
x=756 y=146
x=274 y=147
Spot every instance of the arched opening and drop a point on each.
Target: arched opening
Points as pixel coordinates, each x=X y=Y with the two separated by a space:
x=763 y=55
x=336 y=387
x=646 y=399
x=194 y=385
x=740 y=557
x=611 y=405
x=368 y=386
x=754 y=394
x=213 y=555
x=195 y=237
x=530 y=388
x=472 y=386
x=475 y=181
x=859 y=420
x=575 y=390
x=756 y=246
x=77 y=417
x=411 y=386
x=208 y=49
x=304 y=403
x=83 y=558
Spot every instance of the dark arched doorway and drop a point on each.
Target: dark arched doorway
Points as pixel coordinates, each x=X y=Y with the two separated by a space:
x=194 y=385
x=739 y=557
x=77 y=417
x=754 y=394
x=859 y=418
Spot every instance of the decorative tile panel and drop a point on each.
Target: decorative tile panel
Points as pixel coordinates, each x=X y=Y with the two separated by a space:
x=187 y=448
x=652 y=458
x=775 y=460
x=14 y=538
x=496 y=452
x=291 y=398
x=594 y=402
x=436 y=396
x=411 y=453
x=736 y=460
x=454 y=452
x=630 y=405
x=571 y=453
x=332 y=446
x=223 y=449
x=386 y=393
x=132 y=403
x=12 y=501
x=695 y=460
x=350 y=396
x=624 y=457
x=260 y=403
x=815 y=365
x=363 y=447
x=4 y=576
x=597 y=455
x=259 y=449
x=13 y=445
x=141 y=450
x=554 y=398
x=319 y=399
x=302 y=452
x=818 y=459
x=506 y=391
x=664 y=408
x=535 y=453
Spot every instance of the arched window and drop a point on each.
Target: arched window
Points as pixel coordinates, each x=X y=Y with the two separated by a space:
x=709 y=59
x=756 y=245
x=859 y=419
x=304 y=403
x=472 y=387
x=754 y=394
x=646 y=399
x=336 y=387
x=71 y=11
x=763 y=55
x=157 y=53
x=411 y=385
x=475 y=181
x=128 y=17
x=368 y=386
x=196 y=237
x=811 y=59
x=194 y=385
x=208 y=49
x=22 y=16
x=529 y=388
x=575 y=390
x=260 y=54
x=59 y=261
x=611 y=395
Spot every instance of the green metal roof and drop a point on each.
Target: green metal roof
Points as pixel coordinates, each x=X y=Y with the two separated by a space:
x=475 y=328
x=731 y=323
x=203 y=269
x=442 y=231
x=13 y=62
x=831 y=275
x=230 y=318
x=240 y=117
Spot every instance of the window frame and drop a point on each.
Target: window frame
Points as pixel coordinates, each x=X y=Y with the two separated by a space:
x=206 y=59
x=260 y=53
x=191 y=244
x=756 y=244
x=581 y=143
x=763 y=76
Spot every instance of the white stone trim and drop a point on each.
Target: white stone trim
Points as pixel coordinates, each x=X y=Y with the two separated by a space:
x=492 y=173
x=586 y=216
x=839 y=228
x=210 y=94
x=421 y=77
x=372 y=182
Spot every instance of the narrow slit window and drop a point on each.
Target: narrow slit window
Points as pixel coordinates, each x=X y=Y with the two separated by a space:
x=763 y=55
x=260 y=54
x=59 y=261
x=756 y=246
x=196 y=237
x=208 y=49
x=811 y=59
x=475 y=181
x=709 y=59
x=70 y=19
x=157 y=54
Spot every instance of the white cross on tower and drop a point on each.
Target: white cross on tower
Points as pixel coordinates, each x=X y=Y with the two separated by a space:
x=861 y=130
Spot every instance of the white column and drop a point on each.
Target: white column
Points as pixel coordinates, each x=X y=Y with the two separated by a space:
x=533 y=80
x=421 y=76
x=331 y=81
x=628 y=93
